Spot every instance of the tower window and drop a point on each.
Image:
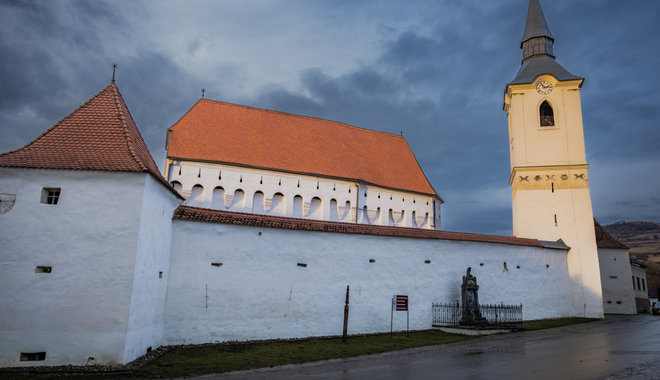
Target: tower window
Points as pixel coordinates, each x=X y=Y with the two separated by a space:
x=547 y=115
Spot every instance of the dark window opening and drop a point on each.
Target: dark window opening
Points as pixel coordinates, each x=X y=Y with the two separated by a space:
x=427 y=261
x=547 y=115
x=302 y=265
x=32 y=356
x=43 y=269
x=50 y=195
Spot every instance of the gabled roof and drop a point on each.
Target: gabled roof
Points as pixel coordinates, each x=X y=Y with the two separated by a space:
x=206 y=215
x=98 y=135
x=604 y=239
x=228 y=133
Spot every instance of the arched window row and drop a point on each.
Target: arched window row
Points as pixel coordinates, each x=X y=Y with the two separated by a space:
x=297 y=207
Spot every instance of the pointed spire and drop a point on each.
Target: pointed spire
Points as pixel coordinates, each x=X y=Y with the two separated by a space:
x=536 y=25
x=537 y=46
x=537 y=39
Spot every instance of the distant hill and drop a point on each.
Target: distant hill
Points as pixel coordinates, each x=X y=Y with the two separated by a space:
x=643 y=238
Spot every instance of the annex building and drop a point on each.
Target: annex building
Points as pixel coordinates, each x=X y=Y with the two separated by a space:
x=263 y=218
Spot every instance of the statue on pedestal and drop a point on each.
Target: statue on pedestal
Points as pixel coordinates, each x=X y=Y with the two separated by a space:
x=470 y=301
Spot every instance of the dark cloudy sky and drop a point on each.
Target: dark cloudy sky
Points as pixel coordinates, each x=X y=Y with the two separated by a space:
x=434 y=69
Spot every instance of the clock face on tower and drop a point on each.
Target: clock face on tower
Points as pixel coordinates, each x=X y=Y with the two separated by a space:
x=543 y=87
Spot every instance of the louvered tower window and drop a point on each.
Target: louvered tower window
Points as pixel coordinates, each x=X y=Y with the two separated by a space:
x=547 y=115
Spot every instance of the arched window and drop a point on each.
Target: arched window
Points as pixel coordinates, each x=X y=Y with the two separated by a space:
x=547 y=115
x=197 y=193
x=346 y=211
x=278 y=206
x=177 y=186
x=334 y=215
x=315 y=209
x=297 y=206
x=258 y=203
x=238 y=199
x=218 y=199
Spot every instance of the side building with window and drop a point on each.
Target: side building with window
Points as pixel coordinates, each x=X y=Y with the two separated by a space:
x=85 y=231
x=231 y=157
x=639 y=284
x=615 y=271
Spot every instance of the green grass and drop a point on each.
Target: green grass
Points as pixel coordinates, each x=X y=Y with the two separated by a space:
x=199 y=360
x=240 y=356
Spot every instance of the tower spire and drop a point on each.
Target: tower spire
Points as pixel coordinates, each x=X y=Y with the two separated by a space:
x=537 y=39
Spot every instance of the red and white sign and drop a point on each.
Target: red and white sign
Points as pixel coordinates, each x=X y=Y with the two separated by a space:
x=401 y=303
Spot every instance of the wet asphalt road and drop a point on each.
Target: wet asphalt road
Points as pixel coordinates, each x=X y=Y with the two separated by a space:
x=618 y=347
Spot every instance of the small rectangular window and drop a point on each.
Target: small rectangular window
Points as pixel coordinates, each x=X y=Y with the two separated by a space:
x=43 y=269
x=302 y=265
x=639 y=287
x=633 y=277
x=643 y=285
x=614 y=277
x=32 y=356
x=50 y=195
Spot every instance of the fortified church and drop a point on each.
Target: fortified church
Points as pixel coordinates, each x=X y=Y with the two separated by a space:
x=262 y=219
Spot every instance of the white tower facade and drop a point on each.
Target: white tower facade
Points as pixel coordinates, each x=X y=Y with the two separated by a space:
x=549 y=181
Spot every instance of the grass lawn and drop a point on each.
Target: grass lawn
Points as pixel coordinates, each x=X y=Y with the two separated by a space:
x=199 y=360
x=232 y=357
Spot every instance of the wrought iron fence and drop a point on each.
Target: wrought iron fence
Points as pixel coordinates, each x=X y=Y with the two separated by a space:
x=490 y=316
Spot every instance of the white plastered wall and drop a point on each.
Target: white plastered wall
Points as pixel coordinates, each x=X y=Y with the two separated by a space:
x=615 y=272
x=80 y=309
x=257 y=290
x=408 y=209
x=145 y=324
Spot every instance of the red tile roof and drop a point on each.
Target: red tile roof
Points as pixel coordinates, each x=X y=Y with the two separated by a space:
x=197 y=214
x=604 y=239
x=233 y=134
x=98 y=135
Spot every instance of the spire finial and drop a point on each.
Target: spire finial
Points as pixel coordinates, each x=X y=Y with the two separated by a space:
x=537 y=39
x=203 y=90
x=114 y=67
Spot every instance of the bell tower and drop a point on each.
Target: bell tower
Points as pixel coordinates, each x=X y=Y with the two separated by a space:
x=549 y=182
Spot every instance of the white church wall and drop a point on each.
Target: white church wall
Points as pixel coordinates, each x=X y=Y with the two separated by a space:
x=564 y=213
x=232 y=282
x=339 y=200
x=80 y=309
x=145 y=323
x=615 y=272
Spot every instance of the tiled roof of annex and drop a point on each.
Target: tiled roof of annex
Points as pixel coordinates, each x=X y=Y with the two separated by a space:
x=604 y=239
x=205 y=215
x=99 y=135
x=214 y=131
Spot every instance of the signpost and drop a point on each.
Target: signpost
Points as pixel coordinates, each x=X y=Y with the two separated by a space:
x=400 y=303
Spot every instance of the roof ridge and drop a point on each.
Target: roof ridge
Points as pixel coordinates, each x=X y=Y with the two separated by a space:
x=116 y=96
x=292 y=114
x=47 y=131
